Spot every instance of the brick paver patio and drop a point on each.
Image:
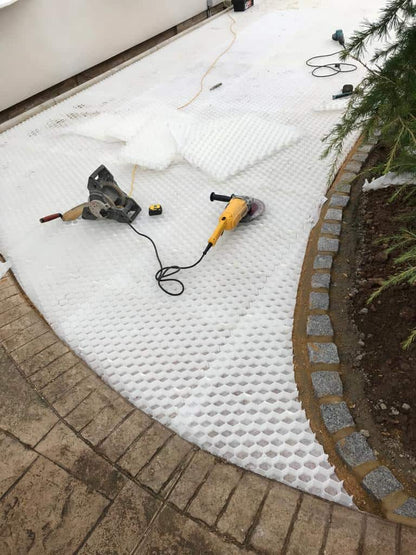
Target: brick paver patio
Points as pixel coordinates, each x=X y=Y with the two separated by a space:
x=83 y=471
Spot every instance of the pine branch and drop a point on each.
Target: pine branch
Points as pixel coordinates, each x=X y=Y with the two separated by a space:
x=390 y=21
x=407 y=343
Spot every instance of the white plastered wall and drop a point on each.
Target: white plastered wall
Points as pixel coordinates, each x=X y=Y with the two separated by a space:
x=43 y=42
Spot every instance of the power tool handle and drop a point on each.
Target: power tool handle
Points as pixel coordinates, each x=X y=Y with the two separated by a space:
x=222 y=198
x=50 y=218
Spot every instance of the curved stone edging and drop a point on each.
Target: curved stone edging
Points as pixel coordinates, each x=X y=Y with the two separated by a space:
x=140 y=488
x=316 y=353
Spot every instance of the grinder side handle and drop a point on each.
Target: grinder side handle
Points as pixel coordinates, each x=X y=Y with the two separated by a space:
x=222 y=198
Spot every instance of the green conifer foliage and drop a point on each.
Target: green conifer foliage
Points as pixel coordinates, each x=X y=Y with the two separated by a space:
x=384 y=104
x=385 y=101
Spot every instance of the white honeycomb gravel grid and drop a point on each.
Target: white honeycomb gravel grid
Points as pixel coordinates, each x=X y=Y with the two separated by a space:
x=215 y=364
x=222 y=147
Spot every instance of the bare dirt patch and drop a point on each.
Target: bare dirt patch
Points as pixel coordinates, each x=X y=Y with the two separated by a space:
x=379 y=376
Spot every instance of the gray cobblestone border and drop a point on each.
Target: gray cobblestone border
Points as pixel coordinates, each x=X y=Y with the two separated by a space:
x=352 y=447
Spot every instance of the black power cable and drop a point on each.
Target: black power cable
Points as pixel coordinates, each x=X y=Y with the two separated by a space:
x=165 y=273
x=334 y=68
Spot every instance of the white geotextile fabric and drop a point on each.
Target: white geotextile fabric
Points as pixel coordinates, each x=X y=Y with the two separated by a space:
x=391 y=179
x=215 y=364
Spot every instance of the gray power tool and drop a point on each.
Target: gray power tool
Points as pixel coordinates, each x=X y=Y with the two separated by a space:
x=106 y=201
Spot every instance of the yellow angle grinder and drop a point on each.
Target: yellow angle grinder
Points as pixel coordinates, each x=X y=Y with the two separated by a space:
x=238 y=210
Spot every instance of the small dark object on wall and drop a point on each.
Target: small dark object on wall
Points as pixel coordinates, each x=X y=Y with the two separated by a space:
x=242 y=5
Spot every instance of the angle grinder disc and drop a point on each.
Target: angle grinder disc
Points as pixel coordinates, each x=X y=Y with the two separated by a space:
x=256 y=209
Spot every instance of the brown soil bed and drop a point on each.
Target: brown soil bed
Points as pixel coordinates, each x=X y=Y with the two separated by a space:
x=379 y=376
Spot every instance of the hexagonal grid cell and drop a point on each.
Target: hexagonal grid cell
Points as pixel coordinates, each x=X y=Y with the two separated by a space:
x=215 y=364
